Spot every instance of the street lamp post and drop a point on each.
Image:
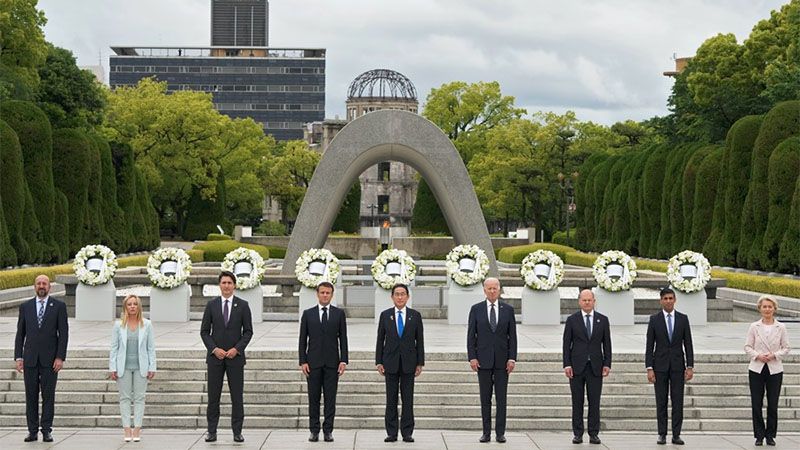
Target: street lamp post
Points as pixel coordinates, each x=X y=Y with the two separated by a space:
x=372 y=207
x=567 y=192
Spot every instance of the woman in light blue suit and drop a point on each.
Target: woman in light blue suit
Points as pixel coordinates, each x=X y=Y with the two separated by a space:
x=132 y=363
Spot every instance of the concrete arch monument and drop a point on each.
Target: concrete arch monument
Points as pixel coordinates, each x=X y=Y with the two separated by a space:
x=382 y=136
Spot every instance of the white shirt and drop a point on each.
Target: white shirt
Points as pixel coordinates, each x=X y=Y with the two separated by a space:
x=496 y=310
x=319 y=309
x=41 y=304
x=230 y=306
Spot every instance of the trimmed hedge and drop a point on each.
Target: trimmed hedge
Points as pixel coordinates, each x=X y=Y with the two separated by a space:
x=789 y=253
x=204 y=214
x=8 y=257
x=784 y=169
x=271 y=228
x=113 y=214
x=218 y=237
x=426 y=215
x=61 y=227
x=95 y=225
x=12 y=192
x=705 y=193
x=278 y=252
x=517 y=253
x=652 y=184
x=687 y=193
x=349 y=218
x=71 y=150
x=216 y=250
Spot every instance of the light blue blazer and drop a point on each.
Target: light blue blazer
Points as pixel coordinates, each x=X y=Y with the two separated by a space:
x=147 y=348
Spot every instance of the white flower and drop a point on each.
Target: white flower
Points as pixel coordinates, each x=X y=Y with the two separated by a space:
x=473 y=252
x=541 y=256
x=242 y=254
x=688 y=285
x=332 y=267
x=107 y=270
x=159 y=279
x=604 y=281
x=386 y=281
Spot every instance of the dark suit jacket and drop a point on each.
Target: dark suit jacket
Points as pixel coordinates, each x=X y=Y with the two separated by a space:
x=578 y=348
x=323 y=348
x=400 y=354
x=492 y=350
x=237 y=334
x=42 y=345
x=662 y=355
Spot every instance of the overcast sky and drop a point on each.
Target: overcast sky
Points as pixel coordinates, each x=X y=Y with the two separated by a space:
x=602 y=59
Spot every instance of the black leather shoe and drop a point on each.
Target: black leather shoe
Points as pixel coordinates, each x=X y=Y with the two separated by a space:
x=238 y=438
x=211 y=437
x=328 y=437
x=770 y=441
x=314 y=437
x=31 y=437
x=594 y=440
x=46 y=436
x=484 y=438
x=408 y=439
x=759 y=442
x=390 y=439
x=662 y=439
x=501 y=438
x=677 y=440
x=577 y=439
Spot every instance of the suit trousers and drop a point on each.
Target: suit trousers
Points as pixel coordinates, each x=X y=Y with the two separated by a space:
x=38 y=379
x=497 y=379
x=235 y=374
x=669 y=383
x=132 y=387
x=322 y=379
x=592 y=385
x=758 y=383
x=405 y=383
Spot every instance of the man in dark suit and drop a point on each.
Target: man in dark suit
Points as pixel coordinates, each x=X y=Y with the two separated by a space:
x=323 y=358
x=668 y=367
x=399 y=357
x=226 y=330
x=587 y=360
x=492 y=353
x=40 y=349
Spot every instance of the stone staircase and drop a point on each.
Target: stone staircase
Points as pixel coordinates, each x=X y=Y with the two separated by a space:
x=446 y=394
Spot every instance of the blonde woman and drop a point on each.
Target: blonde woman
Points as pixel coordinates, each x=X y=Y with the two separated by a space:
x=132 y=363
x=766 y=345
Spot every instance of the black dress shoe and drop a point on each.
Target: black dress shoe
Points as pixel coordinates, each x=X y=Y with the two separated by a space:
x=577 y=439
x=484 y=438
x=328 y=437
x=408 y=439
x=594 y=439
x=501 y=438
x=759 y=442
x=46 y=436
x=31 y=437
x=390 y=439
x=211 y=437
x=770 y=441
x=677 y=440
x=314 y=437
x=662 y=439
x=238 y=438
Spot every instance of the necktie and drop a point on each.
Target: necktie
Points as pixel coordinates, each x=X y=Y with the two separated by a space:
x=324 y=316
x=669 y=326
x=400 y=324
x=40 y=315
x=225 y=313
x=492 y=319
x=588 y=326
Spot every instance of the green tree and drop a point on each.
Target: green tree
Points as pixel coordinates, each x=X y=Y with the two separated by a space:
x=8 y=257
x=13 y=191
x=22 y=48
x=690 y=175
x=72 y=157
x=61 y=226
x=94 y=222
x=784 y=170
x=705 y=193
x=289 y=174
x=426 y=217
x=349 y=218
x=789 y=253
x=652 y=186
x=204 y=215
x=113 y=216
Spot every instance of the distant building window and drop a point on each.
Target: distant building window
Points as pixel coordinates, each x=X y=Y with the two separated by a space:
x=384 y=171
x=383 y=204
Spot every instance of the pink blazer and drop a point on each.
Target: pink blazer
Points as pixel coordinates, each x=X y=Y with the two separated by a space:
x=758 y=342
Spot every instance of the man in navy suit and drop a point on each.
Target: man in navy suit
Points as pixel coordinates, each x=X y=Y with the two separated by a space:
x=323 y=358
x=668 y=367
x=226 y=330
x=399 y=357
x=492 y=353
x=40 y=349
x=587 y=360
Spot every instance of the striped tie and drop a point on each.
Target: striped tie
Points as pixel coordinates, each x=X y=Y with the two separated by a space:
x=40 y=315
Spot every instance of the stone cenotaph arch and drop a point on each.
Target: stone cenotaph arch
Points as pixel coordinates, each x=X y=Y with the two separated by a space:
x=383 y=136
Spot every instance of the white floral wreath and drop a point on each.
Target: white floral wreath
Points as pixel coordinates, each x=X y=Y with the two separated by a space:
x=257 y=270
x=604 y=281
x=95 y=277
x=161 y=280
x=309 y=280
x=698 y=283
x=532 y=280
x=407 y=268
x=463 y=278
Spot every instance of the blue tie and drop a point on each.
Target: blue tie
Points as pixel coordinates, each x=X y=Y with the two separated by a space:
x=400 y=324
x=669 y=326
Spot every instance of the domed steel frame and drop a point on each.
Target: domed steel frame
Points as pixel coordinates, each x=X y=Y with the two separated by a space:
x=382 y=83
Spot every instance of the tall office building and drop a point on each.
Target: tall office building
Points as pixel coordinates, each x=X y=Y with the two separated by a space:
x=240 y=23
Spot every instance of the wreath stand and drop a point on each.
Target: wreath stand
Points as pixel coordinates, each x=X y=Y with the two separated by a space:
x=96 y=303
x=459 y=300
x=693 y=304
x=617 y=306
x=255 y=299
x=170 y=305
x=541 y=307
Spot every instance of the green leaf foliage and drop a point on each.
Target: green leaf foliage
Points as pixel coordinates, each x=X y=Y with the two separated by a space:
x=705 y=193
x=789 y=252
x=72 y=155
x=349 y=218
x=426 y=215
x=784 y=170
x=13 y=190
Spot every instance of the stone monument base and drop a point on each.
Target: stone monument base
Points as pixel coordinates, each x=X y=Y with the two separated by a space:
x=96 y=302
x=694 y=305
x=541 y=307
x=255 y=299
x=617 y=306
x=460 y=300
x=170 y=305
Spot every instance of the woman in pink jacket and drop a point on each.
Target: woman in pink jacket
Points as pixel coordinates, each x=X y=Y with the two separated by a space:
x=766 y=345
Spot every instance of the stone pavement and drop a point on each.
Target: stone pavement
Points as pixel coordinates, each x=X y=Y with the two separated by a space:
x=101 y=439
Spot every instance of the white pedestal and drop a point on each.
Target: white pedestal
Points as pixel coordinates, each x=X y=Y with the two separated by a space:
x=460 y=299
x=255 y=299
x=694 y=305
x=541 y=307
x=170 y=305
x=308 y=298
x=383 y=301
x=96 y=302
x=618 y=306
